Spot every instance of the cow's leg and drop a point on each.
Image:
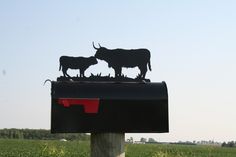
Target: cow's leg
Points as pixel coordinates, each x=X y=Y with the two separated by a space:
x=65 y=72
x=82 y=73
x=143 y=71
x=117 y=71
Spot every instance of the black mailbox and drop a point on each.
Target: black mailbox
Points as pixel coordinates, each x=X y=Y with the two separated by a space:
x=109 y=107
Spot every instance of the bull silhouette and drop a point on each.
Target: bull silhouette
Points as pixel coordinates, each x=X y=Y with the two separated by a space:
x=81 y=63
x=118 y=58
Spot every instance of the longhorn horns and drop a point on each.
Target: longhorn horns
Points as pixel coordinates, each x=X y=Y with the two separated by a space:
x=96 y=47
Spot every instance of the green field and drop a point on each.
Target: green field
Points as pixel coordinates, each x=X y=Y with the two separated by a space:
x=37 y=148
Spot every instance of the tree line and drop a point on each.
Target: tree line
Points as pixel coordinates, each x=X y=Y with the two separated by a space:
x=229 y=144
x=40 y=134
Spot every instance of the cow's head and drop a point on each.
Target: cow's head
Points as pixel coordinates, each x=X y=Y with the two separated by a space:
x=101 y=52
x=93 y=60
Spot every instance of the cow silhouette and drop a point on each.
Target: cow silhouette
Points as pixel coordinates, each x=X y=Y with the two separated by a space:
x=81 y=63
x=118 y=58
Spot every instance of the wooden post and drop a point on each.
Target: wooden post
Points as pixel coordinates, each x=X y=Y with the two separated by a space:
x=107 y=145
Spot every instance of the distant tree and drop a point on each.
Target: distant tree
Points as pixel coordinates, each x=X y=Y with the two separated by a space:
x=143 y=140
x=131 y=140
x=151 y=140
x=39 y=134
x=230 y=144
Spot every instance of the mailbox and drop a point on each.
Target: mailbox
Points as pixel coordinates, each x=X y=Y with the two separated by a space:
x=109 y=107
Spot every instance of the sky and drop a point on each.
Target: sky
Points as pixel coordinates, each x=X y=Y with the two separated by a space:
x=192 y=45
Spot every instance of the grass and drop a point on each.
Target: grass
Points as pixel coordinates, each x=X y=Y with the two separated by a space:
x=178 y=151
x=43 y=148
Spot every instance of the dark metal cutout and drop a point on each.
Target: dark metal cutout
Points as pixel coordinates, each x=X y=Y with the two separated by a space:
x=81 y=63
x=115 y=58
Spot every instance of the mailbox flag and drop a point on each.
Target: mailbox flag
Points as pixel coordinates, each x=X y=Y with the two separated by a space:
x=90 y=105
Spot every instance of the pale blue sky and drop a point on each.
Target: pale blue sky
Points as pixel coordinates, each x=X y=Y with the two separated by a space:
x=192 y=44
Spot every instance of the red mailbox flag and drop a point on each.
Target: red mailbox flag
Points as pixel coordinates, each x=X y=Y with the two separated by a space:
x=90 y=104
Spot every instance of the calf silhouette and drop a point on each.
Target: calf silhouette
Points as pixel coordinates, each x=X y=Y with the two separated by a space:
x=118 y=58
x=81 y=63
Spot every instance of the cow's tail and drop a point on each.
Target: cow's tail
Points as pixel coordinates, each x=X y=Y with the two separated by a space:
x=149 y=65
x=60 y=64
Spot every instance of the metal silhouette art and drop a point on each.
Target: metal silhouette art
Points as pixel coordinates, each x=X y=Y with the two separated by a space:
x=81 y=63
x=115 y=58
x=101 y=104
x=118 y=58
